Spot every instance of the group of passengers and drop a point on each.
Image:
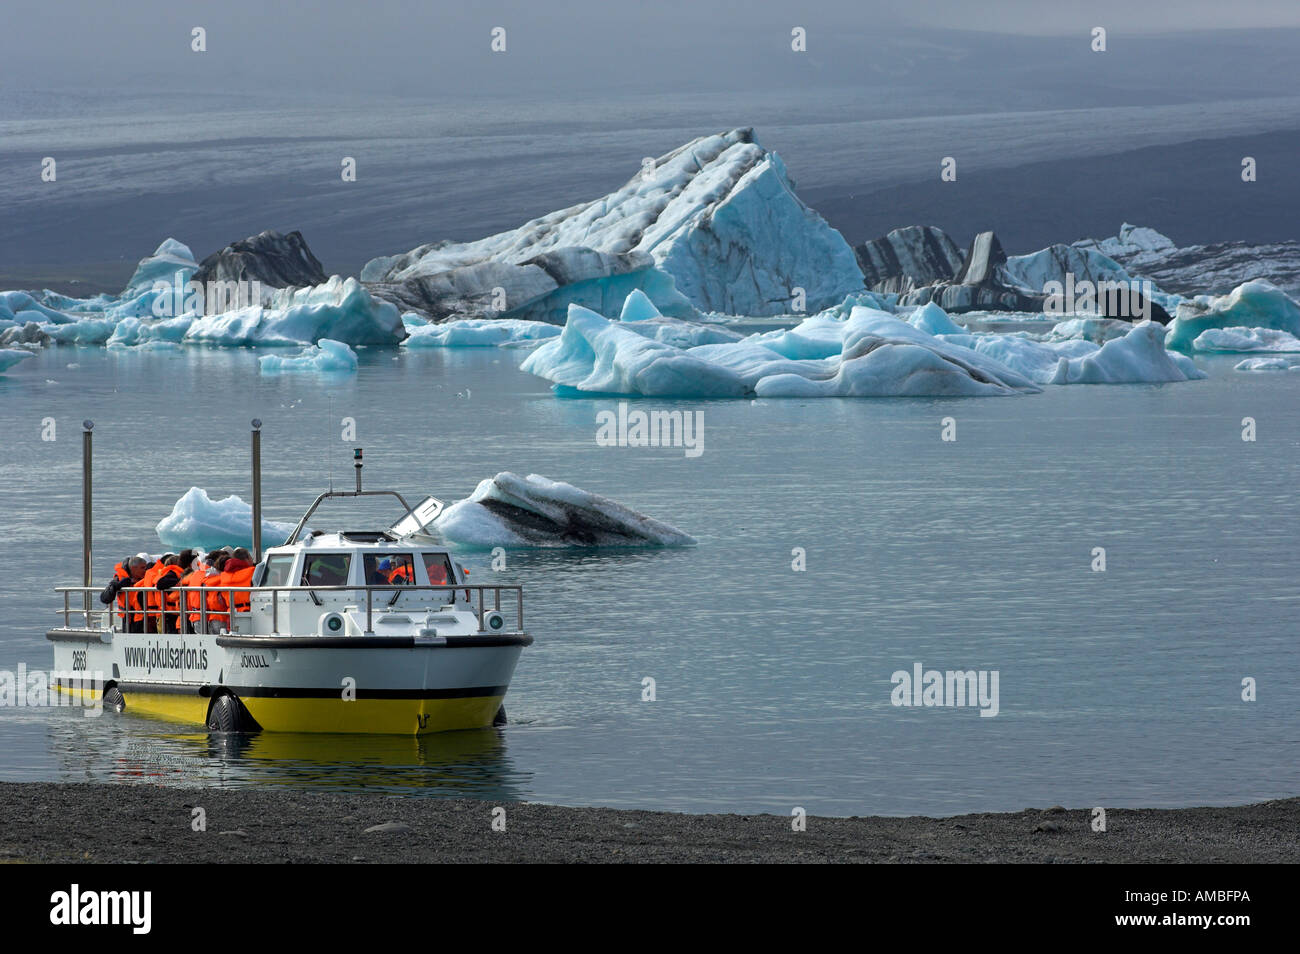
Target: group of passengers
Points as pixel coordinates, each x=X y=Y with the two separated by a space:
x=180 y=591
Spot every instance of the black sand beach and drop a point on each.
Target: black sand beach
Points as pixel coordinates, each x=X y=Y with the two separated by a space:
x=101 y=823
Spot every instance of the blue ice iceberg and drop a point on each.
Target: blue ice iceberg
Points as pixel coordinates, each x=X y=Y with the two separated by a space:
x=197 y=520
x=1254 y=304
x=715 y=224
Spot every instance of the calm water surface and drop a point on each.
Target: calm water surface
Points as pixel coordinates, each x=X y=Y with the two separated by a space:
x=1116 y=688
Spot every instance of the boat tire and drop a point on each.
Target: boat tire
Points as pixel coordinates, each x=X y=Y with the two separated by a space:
x=500 y=717
x=114 y=701
x=226 y=714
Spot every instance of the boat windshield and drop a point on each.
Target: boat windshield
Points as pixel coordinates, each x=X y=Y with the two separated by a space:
x=326 y=569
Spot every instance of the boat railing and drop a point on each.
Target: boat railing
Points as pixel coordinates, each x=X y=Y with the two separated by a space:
x=173 y=619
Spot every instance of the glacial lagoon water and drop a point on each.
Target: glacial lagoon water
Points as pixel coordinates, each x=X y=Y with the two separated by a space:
x=1116 y=688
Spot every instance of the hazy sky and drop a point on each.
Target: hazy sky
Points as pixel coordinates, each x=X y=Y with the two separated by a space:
x=419 y=47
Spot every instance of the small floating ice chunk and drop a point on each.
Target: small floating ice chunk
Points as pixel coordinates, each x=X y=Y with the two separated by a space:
x=479 y=333
x=1245 y=339
x=329 y=357
x=534 y=511
x=199 y=521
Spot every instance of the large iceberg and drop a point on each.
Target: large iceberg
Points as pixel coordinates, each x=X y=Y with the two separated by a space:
x=512 y=511
x=328 y=357
x=717 y=216
x=199 y=521
x=1254 y=304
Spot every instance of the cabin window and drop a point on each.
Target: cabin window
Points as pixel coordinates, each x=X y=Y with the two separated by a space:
x=383 y=569
x=277 y=570
x=439 y=569
x=326 y=569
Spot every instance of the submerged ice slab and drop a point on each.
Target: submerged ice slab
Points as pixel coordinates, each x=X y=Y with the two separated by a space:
x=9 y=357
x=199 y=521
x=512 y=511
x=329 y=357
x=1267 y=364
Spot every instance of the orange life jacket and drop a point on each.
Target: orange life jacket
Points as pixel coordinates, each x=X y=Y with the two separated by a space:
x=120 y=573
x=170 y=598
x=149 y=600
x=242 y=577
x=401 y=575
x=193 y=599
x=215 y=598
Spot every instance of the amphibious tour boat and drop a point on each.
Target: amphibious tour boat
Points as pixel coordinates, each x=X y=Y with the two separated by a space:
x=373 y=630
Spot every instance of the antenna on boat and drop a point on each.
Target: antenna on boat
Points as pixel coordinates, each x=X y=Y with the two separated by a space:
x=257 y=490
x=356 y=456
x=86 y=491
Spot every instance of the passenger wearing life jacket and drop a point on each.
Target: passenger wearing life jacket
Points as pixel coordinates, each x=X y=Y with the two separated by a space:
x=152 y=599
x=169 y=578
x=400 y=573
x=192 y=597
x=125 y=574
x=237 y=571
x=212 y=597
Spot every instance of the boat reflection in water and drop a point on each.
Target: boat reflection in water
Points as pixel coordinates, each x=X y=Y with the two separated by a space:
x=468 y=764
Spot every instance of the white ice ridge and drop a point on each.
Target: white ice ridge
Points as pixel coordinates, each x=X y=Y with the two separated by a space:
x=719 y=215
x=1245 y=339
x=1255 y=304
x=329 y=357
x=199 y=521
x=512 y=511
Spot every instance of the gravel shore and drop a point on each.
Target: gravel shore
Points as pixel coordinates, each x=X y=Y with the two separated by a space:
x=45 y=822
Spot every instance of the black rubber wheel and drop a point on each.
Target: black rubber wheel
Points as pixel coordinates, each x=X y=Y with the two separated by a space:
x=226 y=714
x=113 y=699
x=500 y=717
